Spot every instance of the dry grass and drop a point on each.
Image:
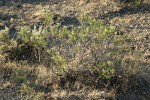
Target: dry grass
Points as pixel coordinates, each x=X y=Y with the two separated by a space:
x=79 y=78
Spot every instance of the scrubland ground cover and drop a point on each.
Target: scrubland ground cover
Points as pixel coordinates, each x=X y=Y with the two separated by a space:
x=74 y=50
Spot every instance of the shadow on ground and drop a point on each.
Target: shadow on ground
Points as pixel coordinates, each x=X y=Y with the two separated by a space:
x=127 y=10
x=10 y=2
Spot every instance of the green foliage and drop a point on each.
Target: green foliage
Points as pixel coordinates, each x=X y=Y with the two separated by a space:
x=25 y=88
x=4 y=37
x=32 y=37
x=49 y=18
x=5 y=42
x=31 y=94
x=23 y=76
x=58 y=60
x=105 y=69
x=138 y=2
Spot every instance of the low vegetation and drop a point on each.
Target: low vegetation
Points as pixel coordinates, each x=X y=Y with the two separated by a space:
x=40 y=59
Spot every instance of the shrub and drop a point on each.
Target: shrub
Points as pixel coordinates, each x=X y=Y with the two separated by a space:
x=92 y=45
